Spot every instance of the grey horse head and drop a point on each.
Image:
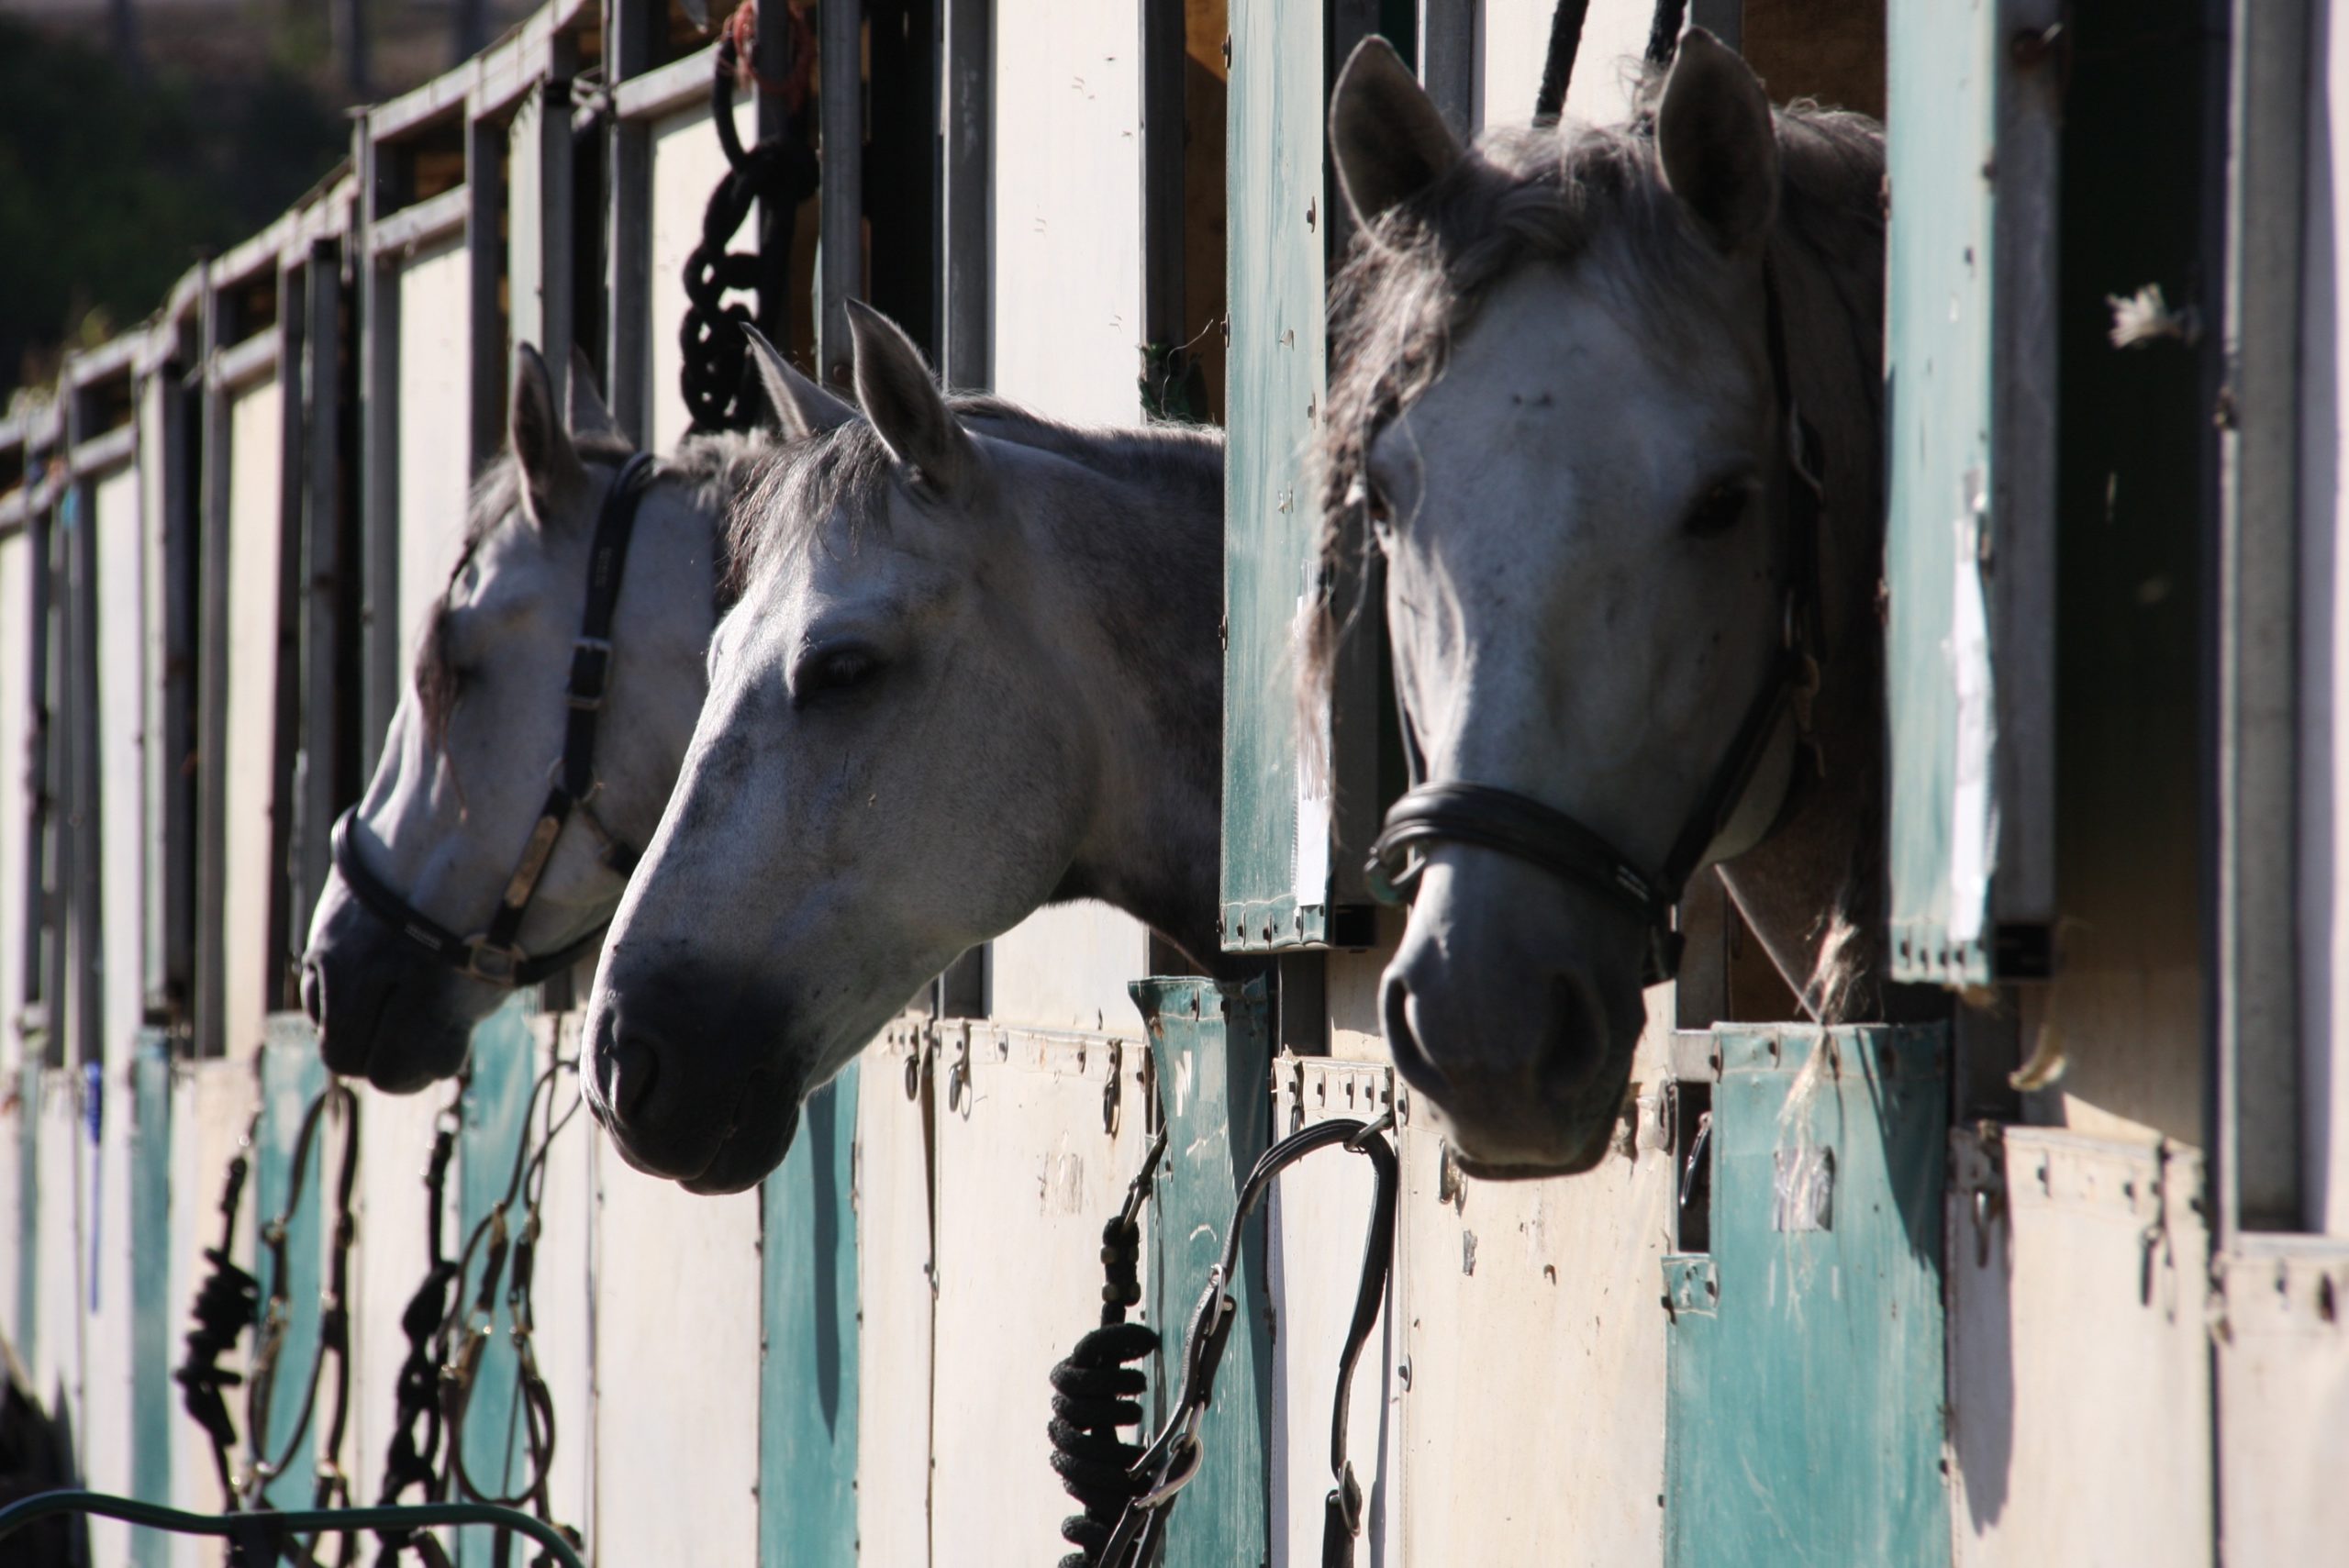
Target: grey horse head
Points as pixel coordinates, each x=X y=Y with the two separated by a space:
x=1553 y=414
x=473 y=744
x=974 y=671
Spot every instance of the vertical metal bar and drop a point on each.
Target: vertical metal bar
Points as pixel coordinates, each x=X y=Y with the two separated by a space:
x=379 y=524
x=628 y=250
x=843 y=119
x=485 y=142
x=320 y=605
x=288 y=911
x=2022 y=586
x=538 y=229
x=170 y=983
x=1448 y=60
x=212 y=703
x=2256 y=962
x=40 y=742
x=1162 y=63
x=967 y=310
x=1725 y=19
x=81 y=690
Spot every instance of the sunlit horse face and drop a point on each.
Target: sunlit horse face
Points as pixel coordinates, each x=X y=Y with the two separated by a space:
x=473 y=745
x=1576 y=523
x=908 y=748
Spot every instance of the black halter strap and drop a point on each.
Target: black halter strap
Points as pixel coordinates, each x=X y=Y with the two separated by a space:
x=492 y=955
x=1456 y=811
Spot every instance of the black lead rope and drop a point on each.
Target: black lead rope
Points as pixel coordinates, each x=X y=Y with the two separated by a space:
x=1098 y=1389
x=492 y=955
x=226 y=1304
x=1173 y=1456
x=1558 y=64
x=413 y=1460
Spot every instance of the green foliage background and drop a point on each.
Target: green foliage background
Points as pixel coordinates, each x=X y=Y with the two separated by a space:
x=111 y=186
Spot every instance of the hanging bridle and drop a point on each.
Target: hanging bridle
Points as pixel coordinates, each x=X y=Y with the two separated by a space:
x=493 y=954
x=1456 y=811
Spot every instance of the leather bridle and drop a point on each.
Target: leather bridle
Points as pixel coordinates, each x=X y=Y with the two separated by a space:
x=1457 y=811
x=493 y=954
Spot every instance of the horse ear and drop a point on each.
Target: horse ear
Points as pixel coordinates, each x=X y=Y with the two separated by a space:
x=1715 y=140
x=1389 y=141
x=587 y=415
x=801 y=408
x=901 y=398
x=550 y=466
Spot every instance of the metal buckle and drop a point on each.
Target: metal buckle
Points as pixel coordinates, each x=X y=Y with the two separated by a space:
x=590 y=672
x=487 y=961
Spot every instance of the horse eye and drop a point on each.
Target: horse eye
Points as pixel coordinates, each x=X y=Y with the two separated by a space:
x=833 y=672
x=1719 y=509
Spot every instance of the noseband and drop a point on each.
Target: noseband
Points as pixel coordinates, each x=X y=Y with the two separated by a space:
x=1455 y=811
x=493 y=954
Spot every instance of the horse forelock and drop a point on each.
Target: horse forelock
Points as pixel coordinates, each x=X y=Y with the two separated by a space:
x=1418 y=274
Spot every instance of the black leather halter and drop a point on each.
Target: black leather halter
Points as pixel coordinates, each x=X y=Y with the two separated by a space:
x=492 y=955
x=1456 y=811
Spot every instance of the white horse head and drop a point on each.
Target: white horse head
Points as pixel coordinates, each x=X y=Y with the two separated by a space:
x=474 y=743
x=975 y=669
x=1556 y=413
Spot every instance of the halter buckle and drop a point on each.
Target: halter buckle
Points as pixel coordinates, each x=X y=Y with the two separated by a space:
x=487 y=961
x=591 y=671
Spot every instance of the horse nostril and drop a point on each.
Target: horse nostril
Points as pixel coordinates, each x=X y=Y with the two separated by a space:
x=313 y=993
x=1411 y=1059
x=625 y=1070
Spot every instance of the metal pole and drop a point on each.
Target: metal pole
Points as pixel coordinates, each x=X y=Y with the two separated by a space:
x=842 y=120
x=966 y=313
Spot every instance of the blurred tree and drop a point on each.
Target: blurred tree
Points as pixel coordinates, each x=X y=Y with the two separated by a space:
x=111 y=185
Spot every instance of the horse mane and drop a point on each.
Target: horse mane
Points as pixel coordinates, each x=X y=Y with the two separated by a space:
x=711 y=469
x=796 y=486
x=1418 y=274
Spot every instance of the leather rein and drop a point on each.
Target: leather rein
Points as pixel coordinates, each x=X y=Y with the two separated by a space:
x=494 y=955
x=1458 y=811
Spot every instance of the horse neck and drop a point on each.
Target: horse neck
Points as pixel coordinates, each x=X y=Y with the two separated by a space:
x=1813 y=891
x=1136 y=541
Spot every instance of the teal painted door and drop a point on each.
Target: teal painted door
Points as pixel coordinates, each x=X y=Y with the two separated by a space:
x=1969 y=548
x=496 y=1117
x=292 y=1075
x=1277 y=858
x=1803 y=1417
x=808 y=1339
x=1211 y=1046
x=155 y=1313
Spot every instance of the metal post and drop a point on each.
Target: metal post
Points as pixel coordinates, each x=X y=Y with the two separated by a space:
x=170 y=977
x=628 y=248
x=324 y=721
x=379 y=527
x=967 y=277
x=1448 y=60
x=485 y=145
x=843 y=121
x=212 y=702
x=2257 y=1102
x=1725 y=19
x=1162 y=65
x=288 y=910
x=80 y=688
